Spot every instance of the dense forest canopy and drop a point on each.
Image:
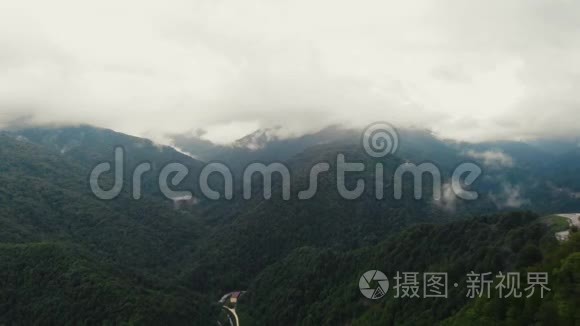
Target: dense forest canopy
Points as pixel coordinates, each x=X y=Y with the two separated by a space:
x=69 y=257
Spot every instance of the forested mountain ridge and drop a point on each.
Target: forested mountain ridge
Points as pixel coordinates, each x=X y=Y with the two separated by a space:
x=259 y=232
x=89 y=146
x=320 y=287
x=47 y=209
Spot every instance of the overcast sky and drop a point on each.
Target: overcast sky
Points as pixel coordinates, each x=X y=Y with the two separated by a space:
x=507 y=69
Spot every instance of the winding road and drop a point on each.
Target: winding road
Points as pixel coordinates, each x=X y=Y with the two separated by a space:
x=229 y=302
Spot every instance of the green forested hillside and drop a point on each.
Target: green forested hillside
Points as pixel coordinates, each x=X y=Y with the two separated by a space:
x=45 y=196
x=66 y=256
x=558 y=307
x=56 y=283
x=320 y=287
x=125 y=251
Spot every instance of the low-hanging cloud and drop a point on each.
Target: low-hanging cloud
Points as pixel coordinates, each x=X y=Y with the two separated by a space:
x=227 y=67
x=510 y=197
x=490 y=158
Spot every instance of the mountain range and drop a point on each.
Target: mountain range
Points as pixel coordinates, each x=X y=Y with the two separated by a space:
x=70 y=257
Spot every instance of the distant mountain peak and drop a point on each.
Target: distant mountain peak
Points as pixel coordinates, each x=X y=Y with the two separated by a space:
x=258 y=139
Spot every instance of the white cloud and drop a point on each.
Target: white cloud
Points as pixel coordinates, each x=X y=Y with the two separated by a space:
x=509 y=197
x=491 y=158
x=448 y=199
x=466 y=69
